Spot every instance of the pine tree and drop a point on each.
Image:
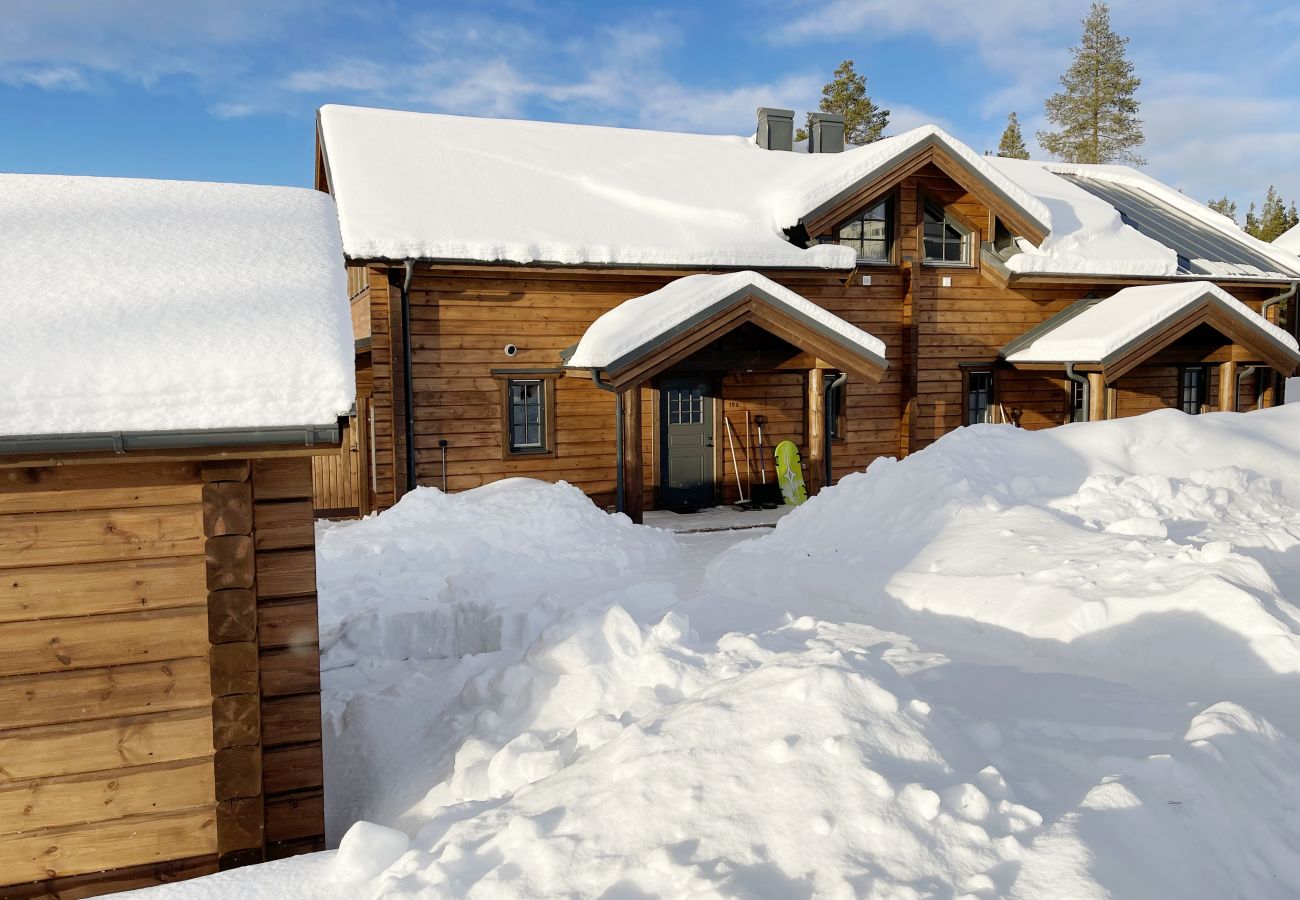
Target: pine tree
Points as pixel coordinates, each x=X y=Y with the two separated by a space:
x=1224 y=206
x=846 y=94
x=1273 y=218
x=1095 y=113
x=1013 y=142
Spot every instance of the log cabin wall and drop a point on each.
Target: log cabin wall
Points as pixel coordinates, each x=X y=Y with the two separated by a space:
x=157 y=650
x=462 y=317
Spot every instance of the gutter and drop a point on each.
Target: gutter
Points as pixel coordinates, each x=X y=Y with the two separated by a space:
x=620 y=476
x=407 y=375
x=127 y=441
x=1087 y=390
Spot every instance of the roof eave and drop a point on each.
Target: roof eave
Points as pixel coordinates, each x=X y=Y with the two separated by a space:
x=120 y=442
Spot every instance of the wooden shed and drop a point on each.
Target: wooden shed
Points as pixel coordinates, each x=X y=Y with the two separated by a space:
x=159 y=673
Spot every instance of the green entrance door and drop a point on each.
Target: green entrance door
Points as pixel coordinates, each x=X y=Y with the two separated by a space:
x=686 y=442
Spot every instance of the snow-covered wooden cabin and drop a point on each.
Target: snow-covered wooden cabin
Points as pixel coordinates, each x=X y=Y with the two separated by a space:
x=611 y=306
x=173 y=355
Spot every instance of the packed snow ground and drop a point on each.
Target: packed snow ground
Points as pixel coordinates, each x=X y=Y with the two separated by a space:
x=1030 y=665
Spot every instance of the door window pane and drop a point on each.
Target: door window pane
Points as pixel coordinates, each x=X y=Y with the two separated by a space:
x=979 y=397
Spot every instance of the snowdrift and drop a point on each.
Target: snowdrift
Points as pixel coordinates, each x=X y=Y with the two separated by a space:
x=1024 y=665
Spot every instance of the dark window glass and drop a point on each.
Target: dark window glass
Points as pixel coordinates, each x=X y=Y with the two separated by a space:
x=1193 y=394
x=685 y=406
x=868 y=233
x=527 y=416
x=979 y=397
x=1077 y=402
x=945 y=240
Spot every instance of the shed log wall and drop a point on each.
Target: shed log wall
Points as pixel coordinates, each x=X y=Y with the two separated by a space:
x=158 y=652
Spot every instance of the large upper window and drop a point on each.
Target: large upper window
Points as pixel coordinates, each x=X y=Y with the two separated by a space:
x=946 y=241
x=869 y=233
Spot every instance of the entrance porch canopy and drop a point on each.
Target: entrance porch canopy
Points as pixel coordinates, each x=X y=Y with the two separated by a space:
x=646 y=335
x=1114 y=335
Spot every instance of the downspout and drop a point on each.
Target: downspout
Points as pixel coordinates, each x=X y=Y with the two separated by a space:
x=1274 y=301
x=1242 y=374
x=1087 y=389
x=831 y=387
x=407 y=374
x=619 y=505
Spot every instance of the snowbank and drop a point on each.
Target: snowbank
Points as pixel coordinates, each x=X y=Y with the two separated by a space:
x=133 y=305
x=635 y=322
x=1015 y=664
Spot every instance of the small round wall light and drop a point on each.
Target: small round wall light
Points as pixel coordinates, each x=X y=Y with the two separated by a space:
x=510 y=349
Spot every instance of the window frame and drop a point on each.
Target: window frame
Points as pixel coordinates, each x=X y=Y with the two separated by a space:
x=891 y=230
x=1078 y=401
x=1202 y=388
x=546 y=382
x=949 y=220
x=978 y=368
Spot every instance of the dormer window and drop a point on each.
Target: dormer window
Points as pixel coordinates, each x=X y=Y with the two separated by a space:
x=946 y=241
x=869 y=233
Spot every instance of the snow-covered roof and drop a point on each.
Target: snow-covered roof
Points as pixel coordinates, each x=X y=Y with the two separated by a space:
x=145 y=306
x=427 y=186
x=1114 y=220
x=420 y=185
x=1095 y=331
x=1289 y=240
x=628 y=330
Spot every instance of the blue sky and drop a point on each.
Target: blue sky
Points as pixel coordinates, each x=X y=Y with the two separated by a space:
x=226 y=89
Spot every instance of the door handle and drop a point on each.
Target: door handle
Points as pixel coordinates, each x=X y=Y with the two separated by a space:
x=708 y=441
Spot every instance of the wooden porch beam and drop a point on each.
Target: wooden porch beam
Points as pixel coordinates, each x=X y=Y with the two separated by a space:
x=1096 y=397
x=1228 y=386
x=633 y=454
x=816 y=430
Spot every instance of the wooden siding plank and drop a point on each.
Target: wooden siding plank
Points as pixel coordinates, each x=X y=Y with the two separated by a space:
x=286 y=573
x=68 y=537
x=295 y=816
x=104 y=744
x=64 y=697
x=97 y=588
x=292 y=768
x=55 y=645
x=284 y=526
x=287 y=624
x=294 y=670
x=95 y=884
x=78 y=799
x=282 y=479
x=291 y=720
x=100 y=486
x=105 y=845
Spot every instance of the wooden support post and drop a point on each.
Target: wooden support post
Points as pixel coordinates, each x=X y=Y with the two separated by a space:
x=633 y=454
x=815 y=458
x=1228 y=386
x=1096 y=397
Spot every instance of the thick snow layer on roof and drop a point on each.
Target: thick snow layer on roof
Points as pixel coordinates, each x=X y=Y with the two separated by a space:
x=453 y=187
x=642 y=319
x=1290 y=240
x=1089 y=236
x=1107 y=326
x=133 y=305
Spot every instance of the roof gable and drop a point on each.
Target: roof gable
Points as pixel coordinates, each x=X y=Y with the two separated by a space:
x=1121 y=331
x=641 y=336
